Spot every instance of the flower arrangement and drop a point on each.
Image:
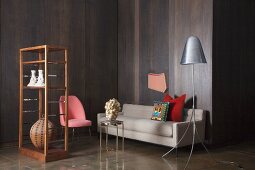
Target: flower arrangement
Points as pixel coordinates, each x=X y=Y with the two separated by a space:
x=112 y=108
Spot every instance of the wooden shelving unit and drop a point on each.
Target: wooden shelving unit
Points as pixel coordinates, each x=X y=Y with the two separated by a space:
x=47 y=154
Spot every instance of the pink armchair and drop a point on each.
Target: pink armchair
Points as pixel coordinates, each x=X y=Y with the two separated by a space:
x=76 y=113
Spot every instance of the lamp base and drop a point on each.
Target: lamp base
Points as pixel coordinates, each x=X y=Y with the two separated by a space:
x=195 y=132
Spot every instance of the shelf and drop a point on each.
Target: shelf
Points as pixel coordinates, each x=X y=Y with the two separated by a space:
x=34 y=62
x=33 y=87
x=50 y=88
x=43 y=62
x=49 y=75
x=53 y=154
x=56 y=62
x=54 y=102
x=40 y=58
x=30 y=111
x=26 y=100
x=41 y=48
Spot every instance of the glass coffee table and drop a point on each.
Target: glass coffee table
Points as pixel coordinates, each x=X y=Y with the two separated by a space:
x=115 y=123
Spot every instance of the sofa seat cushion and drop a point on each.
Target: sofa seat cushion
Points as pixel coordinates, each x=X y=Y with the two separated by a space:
x=146 y=125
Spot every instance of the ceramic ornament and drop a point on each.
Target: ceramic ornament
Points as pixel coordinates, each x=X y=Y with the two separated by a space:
x=37 y=133
x=40 y=80
x=32 y=81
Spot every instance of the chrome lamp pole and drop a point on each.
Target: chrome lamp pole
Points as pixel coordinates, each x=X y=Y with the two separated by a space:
x=192 y=54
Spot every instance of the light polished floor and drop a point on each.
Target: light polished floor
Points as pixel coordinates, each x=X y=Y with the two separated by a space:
x=137 y=156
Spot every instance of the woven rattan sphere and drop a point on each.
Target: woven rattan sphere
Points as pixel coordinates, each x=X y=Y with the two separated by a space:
x=37 y=133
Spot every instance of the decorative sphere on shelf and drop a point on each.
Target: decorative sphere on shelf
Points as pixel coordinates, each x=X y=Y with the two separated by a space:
x=37 y=133
x=112 y=108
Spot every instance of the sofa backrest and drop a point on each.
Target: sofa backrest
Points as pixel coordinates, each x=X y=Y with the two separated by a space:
x=199 y=114
x=137 y=111
x=142 y=111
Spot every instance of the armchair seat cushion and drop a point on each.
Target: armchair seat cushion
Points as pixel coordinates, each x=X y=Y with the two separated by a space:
x=78 y=123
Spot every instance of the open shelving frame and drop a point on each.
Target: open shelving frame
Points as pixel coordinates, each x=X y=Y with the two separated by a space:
x=47 y=154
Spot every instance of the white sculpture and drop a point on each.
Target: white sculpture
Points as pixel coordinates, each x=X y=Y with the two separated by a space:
x=40 y=80
x=112 y=108
x=32 y=81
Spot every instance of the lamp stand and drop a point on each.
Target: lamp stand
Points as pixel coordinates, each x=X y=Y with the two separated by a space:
x=192 y=120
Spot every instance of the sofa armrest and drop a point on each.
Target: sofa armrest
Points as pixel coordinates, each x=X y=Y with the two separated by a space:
x=179 y=129
x=99 y=116
x=121 y=113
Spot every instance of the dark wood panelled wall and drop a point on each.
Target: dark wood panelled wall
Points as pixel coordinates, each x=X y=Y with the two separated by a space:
x=142 y=47
x=233 y=70
x=114 y=44
x=88 y=28
x=151 y=37
x=196 y=19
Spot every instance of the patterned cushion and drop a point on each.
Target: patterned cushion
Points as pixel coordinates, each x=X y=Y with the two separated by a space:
x=160 y=111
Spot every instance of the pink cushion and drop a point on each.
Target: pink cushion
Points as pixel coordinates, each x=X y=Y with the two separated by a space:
x=157 y=82
x=78 y=123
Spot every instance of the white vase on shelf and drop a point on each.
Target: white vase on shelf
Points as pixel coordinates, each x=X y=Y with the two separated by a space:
x=40 y=79
x=32 y=81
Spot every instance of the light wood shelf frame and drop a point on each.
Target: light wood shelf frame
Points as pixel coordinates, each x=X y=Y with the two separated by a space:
x=47 y=154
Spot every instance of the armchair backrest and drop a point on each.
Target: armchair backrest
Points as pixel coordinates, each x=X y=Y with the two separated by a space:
x=75 y=109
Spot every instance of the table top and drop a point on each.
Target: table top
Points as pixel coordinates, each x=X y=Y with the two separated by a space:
x=111 y=122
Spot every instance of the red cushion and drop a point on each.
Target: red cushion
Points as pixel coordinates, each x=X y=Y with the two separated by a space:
x=175 y=107
x=167 y=98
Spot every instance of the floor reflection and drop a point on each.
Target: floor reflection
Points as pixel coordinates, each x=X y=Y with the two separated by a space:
x=85 y=155
x=171 y=164
x=107 y=165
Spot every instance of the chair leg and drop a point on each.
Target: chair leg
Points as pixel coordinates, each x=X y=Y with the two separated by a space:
x=73 y=135
x=89 y=132
x=78 y=133
x=176 y=150
x=62 y=130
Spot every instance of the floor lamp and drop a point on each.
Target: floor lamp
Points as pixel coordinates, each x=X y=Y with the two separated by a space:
x=192 y=54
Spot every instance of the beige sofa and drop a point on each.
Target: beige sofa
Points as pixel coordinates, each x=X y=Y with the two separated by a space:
x=139 y=126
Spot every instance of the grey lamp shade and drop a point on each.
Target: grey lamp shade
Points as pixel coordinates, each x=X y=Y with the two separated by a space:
x=193 y=52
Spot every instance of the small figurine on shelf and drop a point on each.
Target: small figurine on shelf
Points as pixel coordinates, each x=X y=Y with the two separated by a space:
x=40 y=80
x=32 y=81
